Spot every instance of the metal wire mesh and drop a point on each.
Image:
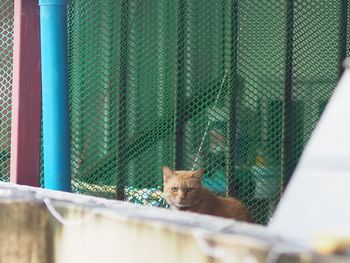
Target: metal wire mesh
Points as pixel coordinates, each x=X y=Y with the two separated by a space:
x=152 y=81
x=6 y=48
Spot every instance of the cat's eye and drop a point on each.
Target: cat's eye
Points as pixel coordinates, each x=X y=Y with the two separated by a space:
x=174 y=189
x=190 y=189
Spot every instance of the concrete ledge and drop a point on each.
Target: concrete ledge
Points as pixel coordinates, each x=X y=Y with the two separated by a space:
x=25 y=235
x=44 y=226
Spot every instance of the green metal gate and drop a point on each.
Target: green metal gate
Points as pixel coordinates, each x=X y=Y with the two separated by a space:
x=152 y=82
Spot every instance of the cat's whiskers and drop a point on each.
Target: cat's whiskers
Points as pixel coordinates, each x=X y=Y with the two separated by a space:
x=189 y=205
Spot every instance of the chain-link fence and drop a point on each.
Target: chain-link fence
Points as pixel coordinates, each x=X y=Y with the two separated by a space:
x=152 y=82
x=237 y=86
x=6 y=48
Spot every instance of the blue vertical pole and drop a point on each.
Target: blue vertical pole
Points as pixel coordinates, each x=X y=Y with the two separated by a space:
x=55 y=100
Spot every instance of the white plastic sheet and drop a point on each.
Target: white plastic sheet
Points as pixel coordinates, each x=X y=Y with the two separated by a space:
x=317 y=198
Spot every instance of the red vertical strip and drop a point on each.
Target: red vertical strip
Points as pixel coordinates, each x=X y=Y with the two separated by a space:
x=26 y=100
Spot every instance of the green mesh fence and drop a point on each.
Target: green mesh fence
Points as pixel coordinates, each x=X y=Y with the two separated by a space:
x=6 y=48
x=152 y=82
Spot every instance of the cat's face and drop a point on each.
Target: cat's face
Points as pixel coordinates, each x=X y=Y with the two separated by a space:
x=182 y=188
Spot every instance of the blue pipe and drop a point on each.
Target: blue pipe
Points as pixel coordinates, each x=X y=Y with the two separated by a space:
x=55 y=97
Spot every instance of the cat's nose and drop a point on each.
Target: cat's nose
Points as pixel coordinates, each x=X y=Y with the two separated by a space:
x=181 y=196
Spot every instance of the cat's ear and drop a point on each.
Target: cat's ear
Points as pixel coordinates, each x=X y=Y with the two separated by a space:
x=198 y=173
x=167 y=173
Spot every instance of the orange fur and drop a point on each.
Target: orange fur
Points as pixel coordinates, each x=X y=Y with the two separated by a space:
x=183 y=191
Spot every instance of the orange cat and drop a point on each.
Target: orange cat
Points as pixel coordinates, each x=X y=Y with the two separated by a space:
x=183 y=191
